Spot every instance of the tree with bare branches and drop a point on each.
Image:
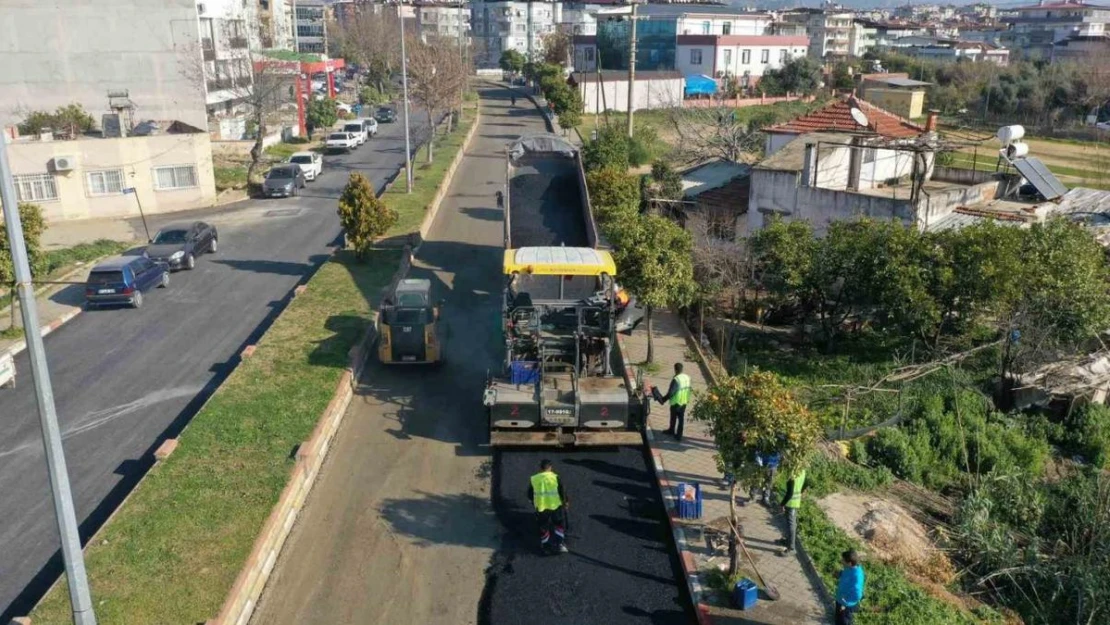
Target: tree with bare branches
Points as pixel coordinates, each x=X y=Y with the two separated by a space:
x=715 y=132
x=370 y=40
x=558 y=48
x=437 y=78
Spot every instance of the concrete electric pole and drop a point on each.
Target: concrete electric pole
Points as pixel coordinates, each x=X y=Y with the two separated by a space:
x=405 y=95
x=79 y=596
x=631 y=68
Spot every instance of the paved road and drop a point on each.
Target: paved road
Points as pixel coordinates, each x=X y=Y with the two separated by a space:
x=126 y=379
x=411 y=508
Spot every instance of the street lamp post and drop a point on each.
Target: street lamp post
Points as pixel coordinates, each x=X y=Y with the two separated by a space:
x=79 y=596
x=405 y=92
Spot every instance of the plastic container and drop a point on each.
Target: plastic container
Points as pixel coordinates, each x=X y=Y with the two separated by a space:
x=525 y=372
x=688 y=496
x=745 y=594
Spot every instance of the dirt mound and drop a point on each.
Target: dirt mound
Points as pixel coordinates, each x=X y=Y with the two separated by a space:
x=891 y=534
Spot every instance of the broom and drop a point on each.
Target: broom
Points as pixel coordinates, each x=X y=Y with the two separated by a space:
x=772 y=592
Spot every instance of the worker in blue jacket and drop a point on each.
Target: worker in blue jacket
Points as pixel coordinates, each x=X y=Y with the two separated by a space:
x=849 y=588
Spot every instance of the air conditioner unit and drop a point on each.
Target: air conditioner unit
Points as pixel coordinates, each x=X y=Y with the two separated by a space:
x=63 y=163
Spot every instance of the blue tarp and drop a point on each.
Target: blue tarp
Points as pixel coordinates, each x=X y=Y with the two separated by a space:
x=700 y=84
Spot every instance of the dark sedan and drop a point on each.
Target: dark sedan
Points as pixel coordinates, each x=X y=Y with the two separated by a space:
x=385 y=115
x=178 y=245
x=283 y=181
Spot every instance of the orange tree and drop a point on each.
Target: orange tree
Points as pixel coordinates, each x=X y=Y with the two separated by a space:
x=750 y=414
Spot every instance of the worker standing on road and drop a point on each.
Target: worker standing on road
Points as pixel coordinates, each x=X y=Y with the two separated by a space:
x=791 y=502
x=549 y=498
x=849 y=588
x=679 y=396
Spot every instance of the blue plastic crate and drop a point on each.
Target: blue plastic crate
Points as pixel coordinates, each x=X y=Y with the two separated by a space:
x=688 y=496
x=525 y=372
x=745 y=594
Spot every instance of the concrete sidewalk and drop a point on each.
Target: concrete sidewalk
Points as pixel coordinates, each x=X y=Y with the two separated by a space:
x=692 y=460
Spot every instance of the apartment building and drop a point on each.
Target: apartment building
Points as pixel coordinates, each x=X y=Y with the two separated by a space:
x=311 y=26
x=275 y=22
x=54 y=58
x=1035 y=29
x=228 y=32
x=952 y=51
x=511 y=25
x=745 y=57
x=708 y=19
x=449 y=20
x=830 y=31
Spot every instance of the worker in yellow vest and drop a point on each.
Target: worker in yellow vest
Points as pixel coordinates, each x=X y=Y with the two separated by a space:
x=679 y=396
x=549 y=498
x=790 y=503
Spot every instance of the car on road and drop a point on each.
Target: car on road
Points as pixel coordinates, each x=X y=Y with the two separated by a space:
x=311 y=163
x=341 y=142
x=356 y=128
x=283 y=181
x=123 y=280
x=178 y=245
x=370 y=125
x=386 y=115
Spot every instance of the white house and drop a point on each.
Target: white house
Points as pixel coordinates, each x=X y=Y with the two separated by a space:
x=746 y=57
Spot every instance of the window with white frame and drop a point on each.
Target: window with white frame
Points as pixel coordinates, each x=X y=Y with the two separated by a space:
x=726 y=28
x=104 y=182
x=782 y=56
x=35 y=188
x=706 y=28
x=589 y=55
x=728 y=60
x=745 y=57
x=765 y=56
x=175 y=177
x=695 y=56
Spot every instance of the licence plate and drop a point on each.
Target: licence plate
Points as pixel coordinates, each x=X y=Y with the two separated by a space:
x=408 y=358
x=106 y=291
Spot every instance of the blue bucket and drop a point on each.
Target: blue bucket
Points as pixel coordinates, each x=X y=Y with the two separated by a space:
x=525 y=372
x=688 y=496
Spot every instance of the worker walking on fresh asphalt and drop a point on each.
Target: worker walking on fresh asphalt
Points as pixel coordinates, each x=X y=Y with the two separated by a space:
x=549 y=498
x=679 y=396
x=791 y=502
x=849 y=588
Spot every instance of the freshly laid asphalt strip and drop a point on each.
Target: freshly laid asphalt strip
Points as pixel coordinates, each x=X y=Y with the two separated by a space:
x=124 y=380
x=622 y=566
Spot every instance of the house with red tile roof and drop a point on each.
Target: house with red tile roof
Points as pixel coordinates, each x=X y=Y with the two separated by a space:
x=837 y=116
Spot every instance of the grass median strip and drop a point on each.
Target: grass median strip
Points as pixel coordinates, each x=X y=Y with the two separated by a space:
x=427 y=177
x=173 y=551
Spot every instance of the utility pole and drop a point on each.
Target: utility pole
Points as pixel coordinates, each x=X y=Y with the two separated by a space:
x=80 y=598
x=405 y=95
x=631 y=67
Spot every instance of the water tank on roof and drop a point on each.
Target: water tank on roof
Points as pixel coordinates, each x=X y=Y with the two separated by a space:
x=1010 y=134
x=1017 y=150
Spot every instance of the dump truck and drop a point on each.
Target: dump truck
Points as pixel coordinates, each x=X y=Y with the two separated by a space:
x=563 y=380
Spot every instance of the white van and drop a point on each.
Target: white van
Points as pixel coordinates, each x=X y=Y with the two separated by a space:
x=371 y=126
x=356 y=128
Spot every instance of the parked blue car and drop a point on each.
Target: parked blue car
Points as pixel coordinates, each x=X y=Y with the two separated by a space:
x=123 y=280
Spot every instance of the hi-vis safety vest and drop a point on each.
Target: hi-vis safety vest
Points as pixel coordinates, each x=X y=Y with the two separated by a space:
x=545 y=491
x=682 y=397
x=795 y=500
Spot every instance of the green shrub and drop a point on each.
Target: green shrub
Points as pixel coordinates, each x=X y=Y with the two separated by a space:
x=827 y=475
x=1088 y=431
x=894 y=449
x=30 y=217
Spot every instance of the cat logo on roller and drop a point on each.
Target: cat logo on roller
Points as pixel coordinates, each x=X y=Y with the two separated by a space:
x=408 y=325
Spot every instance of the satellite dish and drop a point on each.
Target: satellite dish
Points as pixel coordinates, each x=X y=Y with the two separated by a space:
x=860 y=117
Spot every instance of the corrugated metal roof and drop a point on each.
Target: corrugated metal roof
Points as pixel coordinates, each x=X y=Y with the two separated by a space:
x=711 y=175
x=901 y=82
